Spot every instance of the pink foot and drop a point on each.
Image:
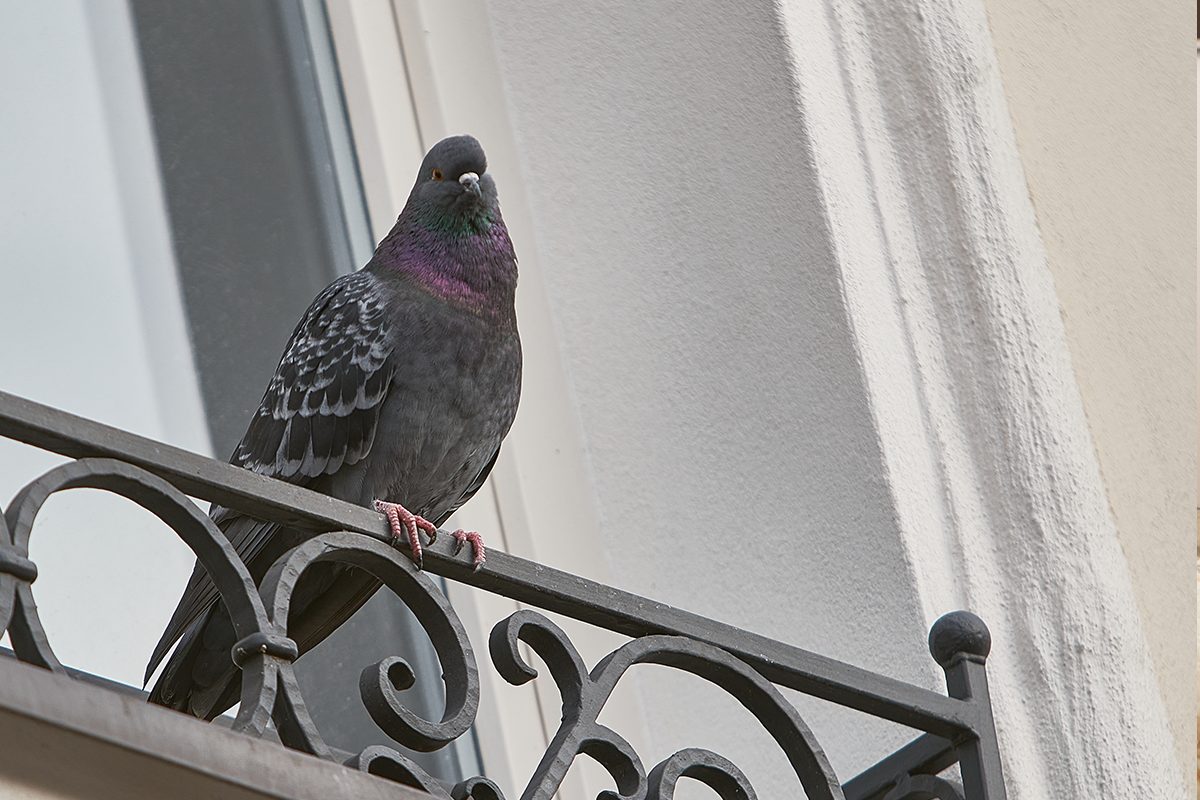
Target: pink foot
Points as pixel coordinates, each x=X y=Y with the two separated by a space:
x=476 y=541
x=405 y=525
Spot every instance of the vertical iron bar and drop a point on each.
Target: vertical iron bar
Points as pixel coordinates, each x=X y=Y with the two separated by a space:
x=960 y=643
x=979 y=758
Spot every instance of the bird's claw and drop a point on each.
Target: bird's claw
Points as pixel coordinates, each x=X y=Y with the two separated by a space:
x=476 y=541
x=405 y=525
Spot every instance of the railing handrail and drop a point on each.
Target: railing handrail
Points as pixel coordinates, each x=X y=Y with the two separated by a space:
x=956 y=727
x=507 y=575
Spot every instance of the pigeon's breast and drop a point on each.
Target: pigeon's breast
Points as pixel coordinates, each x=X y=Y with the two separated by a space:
x=453 y=397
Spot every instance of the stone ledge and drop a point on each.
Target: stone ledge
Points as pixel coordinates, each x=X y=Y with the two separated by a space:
x=62 y=738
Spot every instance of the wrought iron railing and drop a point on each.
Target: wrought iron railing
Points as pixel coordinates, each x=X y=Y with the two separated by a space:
x=958 y=728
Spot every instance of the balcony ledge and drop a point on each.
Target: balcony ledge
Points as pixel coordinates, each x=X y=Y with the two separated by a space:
x=64 y=738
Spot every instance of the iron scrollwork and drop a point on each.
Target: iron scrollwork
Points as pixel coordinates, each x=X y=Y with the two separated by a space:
x=381 y=683
x=717 y=772
x=264 y=652
x=18 y=612
x=958 y=728
x=923 y=787
x=387 y=763
x=584 y=695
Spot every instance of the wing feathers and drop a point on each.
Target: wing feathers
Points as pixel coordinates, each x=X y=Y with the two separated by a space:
x=321 y=407
x=320 y=411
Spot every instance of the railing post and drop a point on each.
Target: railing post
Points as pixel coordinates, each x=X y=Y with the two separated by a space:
x=960 y=643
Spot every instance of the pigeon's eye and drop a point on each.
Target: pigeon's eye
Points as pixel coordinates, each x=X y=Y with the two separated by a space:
x=437 y=174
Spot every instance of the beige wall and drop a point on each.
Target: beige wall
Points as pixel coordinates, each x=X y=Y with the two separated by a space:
x=1101 y=97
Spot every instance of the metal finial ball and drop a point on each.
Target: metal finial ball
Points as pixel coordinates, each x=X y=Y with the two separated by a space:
x=958 y=632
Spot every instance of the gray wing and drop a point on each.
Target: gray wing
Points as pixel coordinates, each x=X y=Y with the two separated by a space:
x=320 y=411
x=322 y=405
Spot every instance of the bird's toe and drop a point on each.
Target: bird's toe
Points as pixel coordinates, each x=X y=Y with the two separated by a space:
x=462 y=537
x=406 y=526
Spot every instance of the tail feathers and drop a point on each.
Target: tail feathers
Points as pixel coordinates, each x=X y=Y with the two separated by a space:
x=257 y=543
x=200 y=677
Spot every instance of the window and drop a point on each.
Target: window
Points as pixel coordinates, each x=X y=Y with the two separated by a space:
x=266 y=209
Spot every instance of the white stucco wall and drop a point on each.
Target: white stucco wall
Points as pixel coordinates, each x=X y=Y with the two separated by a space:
x=651 y=163
x=693 y=425
x=1101 y=97
x=732 y=458
x=800 y=373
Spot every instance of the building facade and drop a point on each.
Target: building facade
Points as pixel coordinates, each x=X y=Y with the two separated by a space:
x=837 y=317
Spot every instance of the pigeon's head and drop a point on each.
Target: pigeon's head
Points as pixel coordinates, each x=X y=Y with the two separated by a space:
x=453 y=191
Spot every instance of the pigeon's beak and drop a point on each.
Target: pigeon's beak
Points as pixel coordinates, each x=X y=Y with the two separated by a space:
x=470 y=182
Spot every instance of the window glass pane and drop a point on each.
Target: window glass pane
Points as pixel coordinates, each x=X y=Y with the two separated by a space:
x=92 y=320
x=257 y=218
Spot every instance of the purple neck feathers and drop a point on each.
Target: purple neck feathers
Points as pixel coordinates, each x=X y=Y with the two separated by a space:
x=476 y=271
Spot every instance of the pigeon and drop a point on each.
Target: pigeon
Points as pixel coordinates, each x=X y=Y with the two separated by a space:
x=394 y=392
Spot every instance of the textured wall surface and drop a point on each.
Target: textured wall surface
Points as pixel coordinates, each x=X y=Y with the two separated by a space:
x=831 y=312
x=732 y=457
x=981 y=421
x=1101 y=100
